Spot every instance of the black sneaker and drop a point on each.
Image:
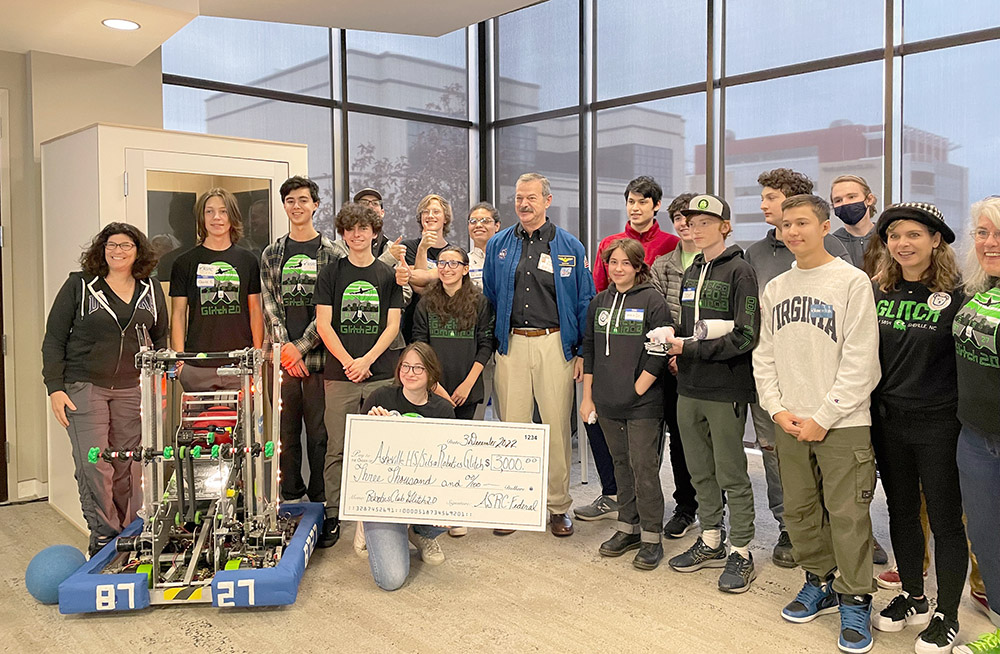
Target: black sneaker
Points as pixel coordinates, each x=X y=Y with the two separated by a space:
x=648 y=556
x=738 y=575
x=879 y=556
x=619 y=544
x=902 y=611
x=782 y=554
x=330 y=533
x=679 y=525
x=700 y=556
x=939 y=636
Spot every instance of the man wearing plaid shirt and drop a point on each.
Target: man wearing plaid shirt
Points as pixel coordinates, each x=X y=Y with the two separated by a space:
x=289 y=267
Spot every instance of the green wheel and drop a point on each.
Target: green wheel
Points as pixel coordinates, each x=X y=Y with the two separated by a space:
x=146 y=569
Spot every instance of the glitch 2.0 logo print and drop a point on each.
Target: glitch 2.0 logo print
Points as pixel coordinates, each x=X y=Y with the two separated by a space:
x=298 y=278
x=220 y=291
x=359 y=309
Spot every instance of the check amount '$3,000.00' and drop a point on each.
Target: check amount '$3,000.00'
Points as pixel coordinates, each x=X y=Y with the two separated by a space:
x=445 y=472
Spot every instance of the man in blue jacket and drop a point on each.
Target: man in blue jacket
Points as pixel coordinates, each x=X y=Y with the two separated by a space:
x=537 y=276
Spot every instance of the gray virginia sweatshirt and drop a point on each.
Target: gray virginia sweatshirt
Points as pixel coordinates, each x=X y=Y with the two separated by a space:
x=818 y=350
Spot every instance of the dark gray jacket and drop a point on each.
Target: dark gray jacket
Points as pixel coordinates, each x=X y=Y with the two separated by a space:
x=769 y=257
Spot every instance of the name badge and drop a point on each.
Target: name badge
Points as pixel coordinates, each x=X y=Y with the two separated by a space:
x=476 y=274
x=634 y=315
x=687 y=295
x=820 y=310
x=545 y=262
x=206 y=275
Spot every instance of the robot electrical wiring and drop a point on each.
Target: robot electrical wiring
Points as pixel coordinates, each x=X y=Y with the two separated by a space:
x=210 y=529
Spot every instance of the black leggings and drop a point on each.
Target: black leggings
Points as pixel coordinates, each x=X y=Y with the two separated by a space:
x=466 y=411
x=915 y=451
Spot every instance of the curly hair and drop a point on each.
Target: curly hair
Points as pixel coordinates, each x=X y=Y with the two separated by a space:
x=232 y=209
x=636 y=256
x=445 y=207
x=680 y=203
x=428 y=358
x=94 y=259
x=943 y=275
x=787 y=181
x=353 y=215
x=463 y=307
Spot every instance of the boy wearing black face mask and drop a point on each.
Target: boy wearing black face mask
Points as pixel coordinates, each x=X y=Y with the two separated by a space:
x=854 y=204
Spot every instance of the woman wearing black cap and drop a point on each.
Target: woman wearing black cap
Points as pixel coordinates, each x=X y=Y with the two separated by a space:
x=915 y=423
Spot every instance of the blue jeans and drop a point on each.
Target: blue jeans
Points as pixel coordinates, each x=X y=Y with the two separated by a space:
x=979 y=473
x=389 y=551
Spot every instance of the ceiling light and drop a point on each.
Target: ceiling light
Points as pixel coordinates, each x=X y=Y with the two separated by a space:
x=120 y=24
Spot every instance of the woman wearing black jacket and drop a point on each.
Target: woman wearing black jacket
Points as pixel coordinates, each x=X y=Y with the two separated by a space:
x=456 y=319
x=621 y=385
x=97 y=324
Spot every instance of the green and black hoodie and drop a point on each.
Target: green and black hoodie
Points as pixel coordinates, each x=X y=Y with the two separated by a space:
x=719 y=369
x=614 y=350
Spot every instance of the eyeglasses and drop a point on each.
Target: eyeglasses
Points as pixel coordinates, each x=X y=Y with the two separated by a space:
x=481 y=221
x=417 y=369
x=426 y=213
x=375 y=204
x=450 y=264
x=980 y=235
x=124 y=247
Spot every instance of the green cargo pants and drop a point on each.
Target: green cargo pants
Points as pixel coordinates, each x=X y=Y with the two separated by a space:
x=828 y=487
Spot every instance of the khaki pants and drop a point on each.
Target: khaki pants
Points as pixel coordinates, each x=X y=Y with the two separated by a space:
x=829 y=487
x=535 y=370
x=342 y=397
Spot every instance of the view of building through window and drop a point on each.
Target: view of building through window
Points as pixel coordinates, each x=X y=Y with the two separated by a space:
x=413 y=116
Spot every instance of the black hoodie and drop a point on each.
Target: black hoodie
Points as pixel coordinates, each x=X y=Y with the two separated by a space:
x=719 y=369
x=614 y=351
x=84 y=340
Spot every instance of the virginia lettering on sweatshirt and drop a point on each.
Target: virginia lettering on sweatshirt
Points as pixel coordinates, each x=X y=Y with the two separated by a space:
x=818 y=342
x=614 y=351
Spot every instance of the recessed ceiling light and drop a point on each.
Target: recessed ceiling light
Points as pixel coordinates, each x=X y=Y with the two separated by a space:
x=120 y=24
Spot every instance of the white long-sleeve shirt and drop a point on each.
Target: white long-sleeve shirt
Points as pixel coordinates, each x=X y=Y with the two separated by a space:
x=818 y=351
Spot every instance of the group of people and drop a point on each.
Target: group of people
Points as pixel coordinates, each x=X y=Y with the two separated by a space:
x=863 y=348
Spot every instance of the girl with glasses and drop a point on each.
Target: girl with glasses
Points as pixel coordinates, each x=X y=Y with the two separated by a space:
x=418 y=372
x=456 y=319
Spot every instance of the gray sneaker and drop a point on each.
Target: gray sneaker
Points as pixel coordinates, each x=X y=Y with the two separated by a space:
x=604 y=507
x=738 y=575
x=700 y=556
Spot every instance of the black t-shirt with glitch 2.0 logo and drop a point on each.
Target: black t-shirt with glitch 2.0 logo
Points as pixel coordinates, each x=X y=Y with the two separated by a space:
x=298 y=279
x=915 y=344
x=216 y=285
x=360 y=299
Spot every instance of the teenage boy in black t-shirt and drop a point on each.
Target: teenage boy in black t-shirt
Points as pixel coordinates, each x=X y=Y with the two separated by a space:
x=358 y=308
x=215 y=293
x=289 y=267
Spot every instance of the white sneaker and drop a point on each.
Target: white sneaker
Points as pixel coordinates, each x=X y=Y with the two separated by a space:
x=457 y=532
x=360 y=548
x=430 y=550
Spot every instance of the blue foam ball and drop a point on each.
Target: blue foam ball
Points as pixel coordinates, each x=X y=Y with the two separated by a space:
x=49 y=568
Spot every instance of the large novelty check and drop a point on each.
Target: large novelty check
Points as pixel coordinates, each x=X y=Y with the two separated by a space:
x=445 y=472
